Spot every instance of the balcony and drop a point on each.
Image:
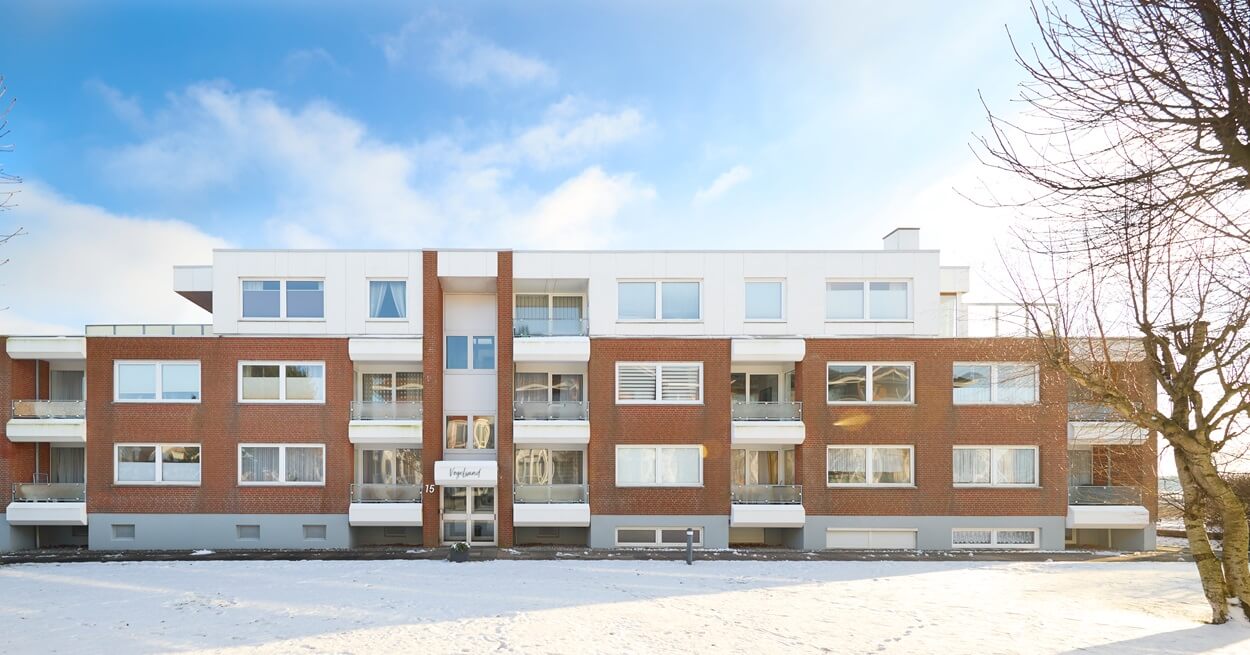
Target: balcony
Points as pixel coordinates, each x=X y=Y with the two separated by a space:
x=1098 y=425
x=551 y=505
x=150 y=330
x=550 y=422
x=1106 y=508
x=550 y=327
x=767 y=506
x=47 y=348
x=385 y=505
x=44 y=503
x=391 y=422
x=1088 y=495
x=767 y=423
x=550 y=340
x=48 y=421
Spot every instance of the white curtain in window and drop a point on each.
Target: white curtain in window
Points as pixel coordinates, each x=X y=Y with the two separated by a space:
x=891 y=465
x=304 y=464
x=566 y=307
x=387 y=299
x=1017 y=383
x=259 y=464
x=972 y=466
x=679 y=465
x=67 y=385
x=887 y=300
x=848 y=466
x=635 y=466
x=531 y=307
x=1080 y=468
x=531 y=388
x=1015 y=465
x=69 y=465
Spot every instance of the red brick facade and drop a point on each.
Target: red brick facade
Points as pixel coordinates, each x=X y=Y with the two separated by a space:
x=503 y=422
x=432 y=396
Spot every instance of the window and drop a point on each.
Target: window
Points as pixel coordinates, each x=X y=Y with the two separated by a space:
x=755 y=387
x=174 y=464
x=670 y=383
x=400 y=386
x=282 y=464
x=871 y=465
x=656 y=537
x=659 y=466
x=764 y=301
x=265 y=299
x=282 y=382
x=482 y=436
x=390 y=466
x=545 y=466
x=761 y=467
x=674 y=301
x=870 y=383
x=1080 y=468
x=994 y=538
x=459 y=356
x=1005 y=384
x=157 y=382
x=996 y=466
x=541 y=314
x=857 y=300
x=388 y=299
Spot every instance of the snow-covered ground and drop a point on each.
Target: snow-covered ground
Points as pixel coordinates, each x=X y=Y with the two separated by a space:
x=383 y=607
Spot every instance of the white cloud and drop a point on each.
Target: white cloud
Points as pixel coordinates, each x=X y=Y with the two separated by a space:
x=79 y=260
x=311 y=60
x=126 y=108
x=580 y=213
x=569 y=132
x=722 y=184
x=462 y=58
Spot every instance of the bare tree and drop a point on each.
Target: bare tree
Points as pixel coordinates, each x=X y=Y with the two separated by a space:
x=6 y=196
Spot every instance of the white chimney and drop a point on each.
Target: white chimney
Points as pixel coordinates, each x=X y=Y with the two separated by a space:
x=902 y=238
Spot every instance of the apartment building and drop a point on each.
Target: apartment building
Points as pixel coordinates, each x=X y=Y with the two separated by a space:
x=803 y=399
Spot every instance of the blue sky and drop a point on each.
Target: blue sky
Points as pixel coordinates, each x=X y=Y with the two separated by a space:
x=148 y=134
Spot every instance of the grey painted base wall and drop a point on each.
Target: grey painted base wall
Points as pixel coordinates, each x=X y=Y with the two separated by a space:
x=934 y=532
x=392 y=536
x=603 y=528
x=25 y=537
x=1143 y=539
x=216 y=531
x=563 y=536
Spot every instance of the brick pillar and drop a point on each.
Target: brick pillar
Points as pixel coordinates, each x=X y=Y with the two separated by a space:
x=504 y=364
x=432 y=396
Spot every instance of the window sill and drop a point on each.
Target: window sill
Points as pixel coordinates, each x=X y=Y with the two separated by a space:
x=276 y=319
x=870 y=320
x=1028 y=404
x=149 y=401
x=873 y=403
x=870 y=486
x=659 y=486
x=652 y=403
x=372 y=319
x=281 y=402
x=997 y=486
x=314 y=485
x=117 y=483
x=645 y=321
x=764 y=320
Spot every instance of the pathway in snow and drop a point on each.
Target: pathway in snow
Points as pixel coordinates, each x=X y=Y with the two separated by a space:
x=383 y=607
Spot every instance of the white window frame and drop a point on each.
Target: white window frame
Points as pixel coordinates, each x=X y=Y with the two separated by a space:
x=1037 y=386
x=468 y=343
x=282 y=364
x=911 y=310
x=1037 y=463
x=470 y=417
x=659 y=300
x=656 y=448
x=868 y=395
x=698 y=542
x=868 y=448
x=659 y=384
x=765 y=280
x=281 y=482
x=158 y=482
x=282 y=298
x=551 y=300
x=368 y=294
x=159 y=365
x=1037 y=539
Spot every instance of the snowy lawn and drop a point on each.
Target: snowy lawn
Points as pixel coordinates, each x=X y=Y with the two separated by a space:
x=383 y=607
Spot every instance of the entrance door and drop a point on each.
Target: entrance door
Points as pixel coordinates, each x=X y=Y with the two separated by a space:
x=469 y=515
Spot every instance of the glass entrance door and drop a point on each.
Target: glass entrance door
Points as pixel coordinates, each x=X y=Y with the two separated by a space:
x=469 y=515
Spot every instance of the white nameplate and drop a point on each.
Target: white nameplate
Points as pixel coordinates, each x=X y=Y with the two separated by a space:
x=466 y=473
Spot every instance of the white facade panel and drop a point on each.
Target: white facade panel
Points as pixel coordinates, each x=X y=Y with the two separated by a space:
x=767 y=433
x=46 y=347
x=767 y=350
x=407 y=433
x=399 y=349
x=1107 y=517
x=193 y=278
x=842 y=539
x=470 y=393
x=384 y=514
x=1105 y=433
x=570 y=515
x=767 y=516
x=551 y=349
x=47 y=430
x=551 y=432
x=46 y=514
x=472 y=263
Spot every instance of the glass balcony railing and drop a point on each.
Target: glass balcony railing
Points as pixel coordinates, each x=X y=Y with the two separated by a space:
x=766 y=494
x=550 y=327
x=1082 y=411
x=767 y=411
x=547 y=494
x=402 y=410
x=555 y=410
x=49 y=492
x=49 y=409
x=1106 y=495
x=386 y=493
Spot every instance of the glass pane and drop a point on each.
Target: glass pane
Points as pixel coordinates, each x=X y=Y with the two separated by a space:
x=305 y=299
x=483 y=531
x=763 y=300
x=305 y=382
x=260 y=382
x=136 y=381
x=483 y=353
x=454 y=530
x=1016 y=537
x=678 y=535
x=531 y=388
x=971 y=537
x=972 y=384
x=409 y=386
x=533 y=466
x=259 y=464
x=1015 y=465
x=531 y=307
x=738 y=387
x=484 y=500
x=180 y=463
x=1017 y=383
x=847 y=466
x=972 y=466
x=455 y=500
x=457 y=353
x=305 y=464
x=765 y=388
x=635 y=381
x=387 y=299
x=738 y=466
x=566 y=387
x=680 y=300
x=848 y=383
x=69 y=465
x=844 y=300
x=891 y=465
x=567 y=467
x=679 y=382
x=891 y=384
x=635 y=301
x=635 y=466
x=1080 y=468
x=375 y=467
x=376 y=387
x=457 y=432
x=180 y=381
x=633 y=537
x=261 y=298
x=566 y=308
x=136 y=464
x=484 y=432
x=887 y=300
x=679 y=465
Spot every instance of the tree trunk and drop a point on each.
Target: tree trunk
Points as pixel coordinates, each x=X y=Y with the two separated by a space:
x=1236 y=530
x=1210 y=569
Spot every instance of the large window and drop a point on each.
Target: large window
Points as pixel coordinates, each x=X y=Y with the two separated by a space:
x=282 y=464
x=546 y=466
x=1003 y=384
x=390 y=466
x=994 y=538
x=883 y=466
x=388 y=299
x=1080 y=468
x=265 y=299
x=466 y=432
x=400 y=386
x=469 y=352
x=749 y=466
x=164 y=382
x=656 y=537
x=873 y=300
x=541 y=314
x=151 y=463
x=1007 y=466
x=654 y=383
x=765 y=300
x=870 y=383
x=659 y=466
x=667 y=300
x=282 y=382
